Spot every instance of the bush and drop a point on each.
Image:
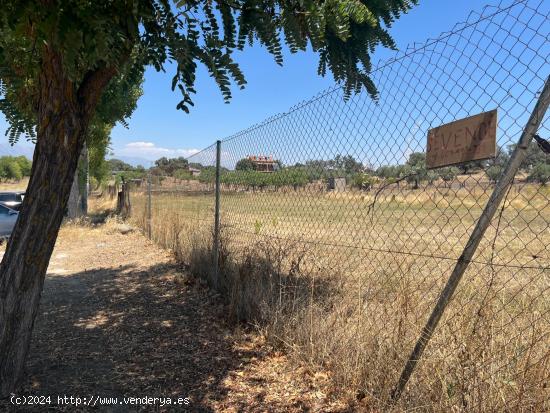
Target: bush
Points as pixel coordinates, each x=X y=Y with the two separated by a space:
x=94 y=183
x=14 y=171
x=540 y=173
x=127 y=175
x=416 y=169
x=286 y=177
x=289 y=177
x=183 y=174
x=363 y=181
x=387 y=171
x=14 y=167
x=25 y=164
x=208 y=175
x=448 y=174
x=493 y=172
x=245 y=164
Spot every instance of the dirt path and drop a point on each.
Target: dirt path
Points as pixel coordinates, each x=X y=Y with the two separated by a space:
x=118 y=318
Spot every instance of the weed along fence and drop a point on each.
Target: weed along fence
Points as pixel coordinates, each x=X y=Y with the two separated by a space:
x=399 y=241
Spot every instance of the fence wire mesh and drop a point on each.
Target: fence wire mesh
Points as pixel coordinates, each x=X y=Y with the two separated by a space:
x=337 y=240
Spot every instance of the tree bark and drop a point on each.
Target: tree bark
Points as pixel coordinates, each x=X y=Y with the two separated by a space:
x=73 y=204
x=77 y=205
x=63 y=113
x=85 y=183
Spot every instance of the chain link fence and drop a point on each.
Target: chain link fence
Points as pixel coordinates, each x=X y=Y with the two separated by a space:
x=337 y=241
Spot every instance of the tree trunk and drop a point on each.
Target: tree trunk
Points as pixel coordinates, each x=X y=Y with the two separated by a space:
x=85 y=182
x=124 y=208
x=74 y=204
x=77 y=206
x=63 y=114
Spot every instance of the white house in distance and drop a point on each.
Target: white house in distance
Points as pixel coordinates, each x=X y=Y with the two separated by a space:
x=194 y=171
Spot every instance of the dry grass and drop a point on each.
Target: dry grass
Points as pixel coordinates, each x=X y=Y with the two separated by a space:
x=345 y=283
x=14 y=185
x=118 y=317
x=101 y=204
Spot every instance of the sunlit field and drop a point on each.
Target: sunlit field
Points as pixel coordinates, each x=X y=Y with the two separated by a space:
x=11 y=185
x=346 y=280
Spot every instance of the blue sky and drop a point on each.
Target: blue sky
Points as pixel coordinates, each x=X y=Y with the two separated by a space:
x=158 y=129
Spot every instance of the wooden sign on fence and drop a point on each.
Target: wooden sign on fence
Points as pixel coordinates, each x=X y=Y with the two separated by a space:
x=463 y=140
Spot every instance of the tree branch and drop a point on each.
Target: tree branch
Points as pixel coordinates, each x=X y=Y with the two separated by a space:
x=92 y=87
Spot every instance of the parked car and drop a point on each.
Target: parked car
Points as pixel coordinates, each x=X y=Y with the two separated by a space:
x=8 y=217
x=12 y=200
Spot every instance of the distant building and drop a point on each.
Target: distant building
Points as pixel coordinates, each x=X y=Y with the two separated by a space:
x=336 y=184
x=264 y=163
x=194 y=171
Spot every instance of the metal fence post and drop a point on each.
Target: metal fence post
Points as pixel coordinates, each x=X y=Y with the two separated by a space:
x=149 y=212
x=216 y=246
x=483 y=223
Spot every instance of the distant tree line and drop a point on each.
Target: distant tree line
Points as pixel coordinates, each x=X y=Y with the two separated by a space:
x=536 y=165
x=175 y=167
x=283 y=177
x=121 y=170
x=414 y=171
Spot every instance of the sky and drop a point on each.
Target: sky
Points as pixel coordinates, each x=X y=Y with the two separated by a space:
x=157 y=129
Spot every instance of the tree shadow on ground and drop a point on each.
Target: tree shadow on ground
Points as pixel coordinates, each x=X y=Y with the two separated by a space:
x=130 y=332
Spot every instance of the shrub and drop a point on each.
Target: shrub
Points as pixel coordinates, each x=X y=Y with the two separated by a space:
x=245 y=164
x=208 y=175
x=285 y=177
x=14 y=171
x=448 y=174
x=127 y=175
x=289 y=177
x=94 y=183
x=363 y=181
x=493 y=172
x=416 y=169
x=183 y=174
x=14 y=167
x=25 y=164
x=540 y=173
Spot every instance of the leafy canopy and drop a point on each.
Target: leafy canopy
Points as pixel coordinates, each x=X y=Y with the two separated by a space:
x=167 y=166
x=94 y=35
x=14 y=167
x=117 y=104
x=245 y=164
x=540 y=173
x=116 y=165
